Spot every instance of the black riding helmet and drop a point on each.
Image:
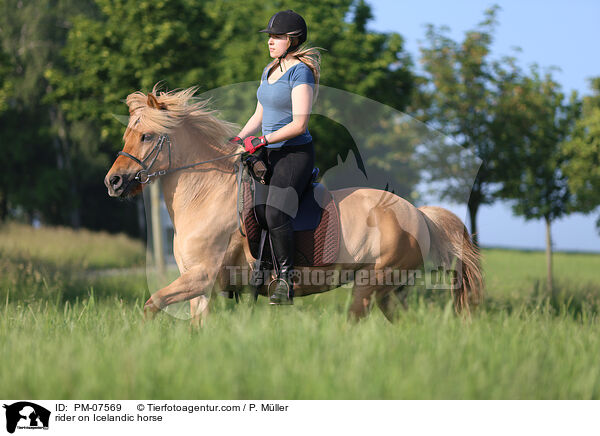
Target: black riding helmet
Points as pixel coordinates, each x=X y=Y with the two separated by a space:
x=289 y=23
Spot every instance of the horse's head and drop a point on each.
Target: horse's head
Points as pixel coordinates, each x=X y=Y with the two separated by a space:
x=155 y=124
x=147 y=148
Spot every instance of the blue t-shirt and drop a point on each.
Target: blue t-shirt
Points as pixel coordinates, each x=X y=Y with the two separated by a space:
x=276 y=100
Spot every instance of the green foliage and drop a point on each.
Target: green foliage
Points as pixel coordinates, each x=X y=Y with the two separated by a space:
x=373 y=65
x=459 y=98
x=30 y=177
x=582 y=154
x=51 y=164
x=32 y=33
x=514 y=122
x=539 y=120
x=538 y=187
x=129 y=46
x=5 y=84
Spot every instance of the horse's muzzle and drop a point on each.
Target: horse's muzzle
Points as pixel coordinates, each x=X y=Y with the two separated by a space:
x=117 y=184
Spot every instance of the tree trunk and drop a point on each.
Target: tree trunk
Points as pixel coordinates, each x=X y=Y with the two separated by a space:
x=64 y=162
x=473 y=208
x=157 y=229
x=75 y=213
x=548 y=255
x=3 y=207
x=141 y=215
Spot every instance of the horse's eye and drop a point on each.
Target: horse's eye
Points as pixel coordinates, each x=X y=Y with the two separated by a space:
x=146 y=137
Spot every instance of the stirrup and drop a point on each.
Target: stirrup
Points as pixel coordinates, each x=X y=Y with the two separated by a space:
x=288 y=298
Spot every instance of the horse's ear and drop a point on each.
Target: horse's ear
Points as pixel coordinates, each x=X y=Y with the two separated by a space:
x=153 y=102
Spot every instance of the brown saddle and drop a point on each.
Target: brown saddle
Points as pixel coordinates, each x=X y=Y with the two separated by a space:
x=316 y=225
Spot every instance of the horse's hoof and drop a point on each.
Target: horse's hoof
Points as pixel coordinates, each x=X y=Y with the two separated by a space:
x=196 y=323
x=150 y=309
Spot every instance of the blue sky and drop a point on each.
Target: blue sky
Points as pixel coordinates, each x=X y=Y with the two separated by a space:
x=550 y=33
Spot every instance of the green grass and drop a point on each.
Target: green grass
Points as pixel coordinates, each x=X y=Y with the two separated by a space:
x=58 y=264
x=68 y=334
x=104 y=350
x=65 y=247
x=515 y=273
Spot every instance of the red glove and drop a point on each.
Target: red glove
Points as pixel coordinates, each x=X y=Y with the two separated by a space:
x=236 y=140
x=253 y=143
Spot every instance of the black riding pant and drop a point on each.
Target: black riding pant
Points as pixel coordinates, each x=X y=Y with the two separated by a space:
x=291 y=168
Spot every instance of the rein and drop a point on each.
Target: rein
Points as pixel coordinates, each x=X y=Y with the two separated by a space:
x=144 y=175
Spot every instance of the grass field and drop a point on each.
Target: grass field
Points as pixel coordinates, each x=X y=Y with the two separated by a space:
x=68 y=335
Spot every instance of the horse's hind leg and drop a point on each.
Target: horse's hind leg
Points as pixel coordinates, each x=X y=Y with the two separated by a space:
x=389 y=301
x=361 y=302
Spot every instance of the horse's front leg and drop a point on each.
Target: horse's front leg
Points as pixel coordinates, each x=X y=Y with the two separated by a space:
x=195 y=282
x=198 y=310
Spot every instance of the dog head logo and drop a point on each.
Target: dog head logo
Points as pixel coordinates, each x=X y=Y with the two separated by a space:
x=26 y=415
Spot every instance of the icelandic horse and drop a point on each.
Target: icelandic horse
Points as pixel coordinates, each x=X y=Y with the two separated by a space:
x=377 y=228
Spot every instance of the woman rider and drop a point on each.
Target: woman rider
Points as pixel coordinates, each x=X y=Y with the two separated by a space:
x=285 y=97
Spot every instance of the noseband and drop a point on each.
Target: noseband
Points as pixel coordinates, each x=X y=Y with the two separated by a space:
x=144 y=175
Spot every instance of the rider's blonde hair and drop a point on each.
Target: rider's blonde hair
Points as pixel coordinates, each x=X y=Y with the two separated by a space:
x=311 y=56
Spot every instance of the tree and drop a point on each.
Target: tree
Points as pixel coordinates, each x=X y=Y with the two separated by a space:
x=375 y=66
x=459 y=98
x=5 y=85
x=111 y=51
x=535 y=182
x=582 y=154
x=35 y=174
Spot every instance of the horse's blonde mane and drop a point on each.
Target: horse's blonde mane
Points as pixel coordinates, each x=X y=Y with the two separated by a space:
x=175 y=107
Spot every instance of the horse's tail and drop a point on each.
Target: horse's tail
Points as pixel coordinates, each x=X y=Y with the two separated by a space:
x=450 y=240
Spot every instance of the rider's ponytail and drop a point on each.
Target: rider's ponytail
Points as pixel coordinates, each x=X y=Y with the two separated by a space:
x=312 y=58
